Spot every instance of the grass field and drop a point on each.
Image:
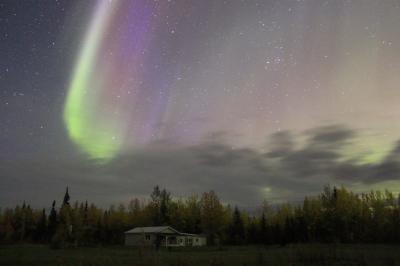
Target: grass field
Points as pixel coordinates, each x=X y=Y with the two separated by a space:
x=228 y=256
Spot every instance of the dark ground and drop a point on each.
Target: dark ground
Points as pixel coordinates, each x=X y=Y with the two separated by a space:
x=313 y=254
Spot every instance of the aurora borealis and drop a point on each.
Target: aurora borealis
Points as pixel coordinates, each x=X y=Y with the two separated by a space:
x=269 y=98
x=114 y=75
x=96 y=140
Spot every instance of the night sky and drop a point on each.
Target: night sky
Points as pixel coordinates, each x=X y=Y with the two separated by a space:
x=254 y=99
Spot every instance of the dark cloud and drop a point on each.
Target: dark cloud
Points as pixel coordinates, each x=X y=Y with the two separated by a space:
x=281 y=144
x=333 y=136
x=287 y=171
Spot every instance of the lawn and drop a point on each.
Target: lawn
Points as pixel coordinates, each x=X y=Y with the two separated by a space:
x=317 y=254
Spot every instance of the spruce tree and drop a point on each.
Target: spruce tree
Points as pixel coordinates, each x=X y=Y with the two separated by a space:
x=237 y=231
x=52 y=226
x=66 y=198
x=263 y=238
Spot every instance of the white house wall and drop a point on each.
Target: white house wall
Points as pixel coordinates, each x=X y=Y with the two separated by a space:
x=182 y=240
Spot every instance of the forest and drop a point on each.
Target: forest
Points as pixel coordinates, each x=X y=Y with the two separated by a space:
x=336 y=215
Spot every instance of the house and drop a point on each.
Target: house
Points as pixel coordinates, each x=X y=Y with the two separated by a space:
x=165 y=236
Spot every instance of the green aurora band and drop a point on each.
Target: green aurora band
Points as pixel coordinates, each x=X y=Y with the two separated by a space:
x=99 y=139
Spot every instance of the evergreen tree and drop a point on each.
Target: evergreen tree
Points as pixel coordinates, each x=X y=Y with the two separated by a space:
x=165 y=198
x=160 y=201
x=252 y=232
x=263 y=236
x=52 y=225
x=155 y=206
x=237 y=228
x=66 y=198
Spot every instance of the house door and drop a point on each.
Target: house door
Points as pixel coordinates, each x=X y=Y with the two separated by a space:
x=188 y=241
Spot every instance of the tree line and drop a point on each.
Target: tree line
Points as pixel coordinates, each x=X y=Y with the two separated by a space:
x=335 y=215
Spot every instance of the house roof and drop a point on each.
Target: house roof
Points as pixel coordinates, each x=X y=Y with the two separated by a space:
x=151 y=229
x=187 y=234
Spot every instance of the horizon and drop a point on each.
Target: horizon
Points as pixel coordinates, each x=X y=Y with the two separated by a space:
x=146 y=200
